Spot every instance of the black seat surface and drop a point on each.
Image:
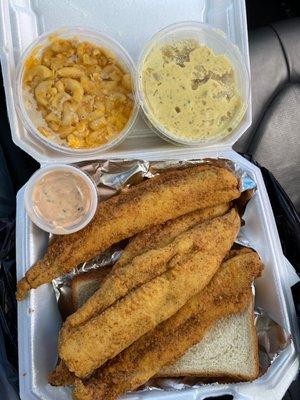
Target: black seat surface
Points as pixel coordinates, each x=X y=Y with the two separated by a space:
x=274 y=136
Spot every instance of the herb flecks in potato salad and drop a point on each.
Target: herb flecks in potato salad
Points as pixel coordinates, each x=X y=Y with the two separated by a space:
x=83 y=96
x=190 y=91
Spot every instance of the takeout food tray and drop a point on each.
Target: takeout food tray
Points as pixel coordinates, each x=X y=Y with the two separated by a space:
x=132 y=23
x=38 y=315
x=39 y=319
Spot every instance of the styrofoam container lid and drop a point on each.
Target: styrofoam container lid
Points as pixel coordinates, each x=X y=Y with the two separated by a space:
x=82 y=34
x=212 y=38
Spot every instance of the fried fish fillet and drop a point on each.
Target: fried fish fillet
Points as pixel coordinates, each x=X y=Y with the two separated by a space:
x=152 y=202
x=228 y=292
x=90 y=345
x=163 y=234
x=61 y=376
x=92 y=388
x=105 y=386
x=143 y=259
x=152 y=238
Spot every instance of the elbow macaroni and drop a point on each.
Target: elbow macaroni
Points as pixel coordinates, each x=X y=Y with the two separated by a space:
x=82 y=92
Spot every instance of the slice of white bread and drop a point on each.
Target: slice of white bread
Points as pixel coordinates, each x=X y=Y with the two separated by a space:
x=228 y=351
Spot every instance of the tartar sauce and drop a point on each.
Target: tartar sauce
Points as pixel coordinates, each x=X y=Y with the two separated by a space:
x=61 y=198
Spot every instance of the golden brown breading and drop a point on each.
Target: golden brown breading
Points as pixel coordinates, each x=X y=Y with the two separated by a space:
x=167 y=196
x=105 y=386
x=228 y=292
x=149 y=239
x=155 y=237
x=172 y=244
x=61 y=376
x=163 y=234
x=101 y=338
x=250 y=265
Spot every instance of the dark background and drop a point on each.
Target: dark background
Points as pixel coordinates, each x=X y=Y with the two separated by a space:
x=263 y=12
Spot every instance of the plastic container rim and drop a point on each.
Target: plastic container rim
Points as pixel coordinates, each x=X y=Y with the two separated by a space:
x=220 y=36
x=60 y=167
x=96 y=37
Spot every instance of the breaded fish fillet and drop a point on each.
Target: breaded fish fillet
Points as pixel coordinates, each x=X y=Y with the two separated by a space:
x=228 y=292
x=152 y=202
x=61 y=376
x=92 y=388
x=90 y=345
x=105 y=386
x=145 y=260
x=163 y=234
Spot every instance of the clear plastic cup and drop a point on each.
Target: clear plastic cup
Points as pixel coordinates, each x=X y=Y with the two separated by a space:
x=220 y=45
x=82 y=34
x=47 y=226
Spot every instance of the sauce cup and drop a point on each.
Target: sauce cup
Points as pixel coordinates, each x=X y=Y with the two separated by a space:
x=60 y=199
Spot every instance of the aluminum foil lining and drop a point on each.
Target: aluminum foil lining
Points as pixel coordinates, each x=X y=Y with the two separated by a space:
x=114 y=176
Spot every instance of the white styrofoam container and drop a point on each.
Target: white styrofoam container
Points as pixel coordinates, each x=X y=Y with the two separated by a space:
x=131 y=23
x=39 y=319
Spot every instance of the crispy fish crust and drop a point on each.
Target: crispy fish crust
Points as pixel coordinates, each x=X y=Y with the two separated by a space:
x=143 y=260
x=152 y=238
x=61 y=376
x=161 y=235
x=101 y=338
x=152 y=202
x=108 y=387
x=231 y=272
x=228 y=292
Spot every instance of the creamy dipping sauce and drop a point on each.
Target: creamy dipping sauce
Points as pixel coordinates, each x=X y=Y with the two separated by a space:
x=61 y=198
x=190 y=91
